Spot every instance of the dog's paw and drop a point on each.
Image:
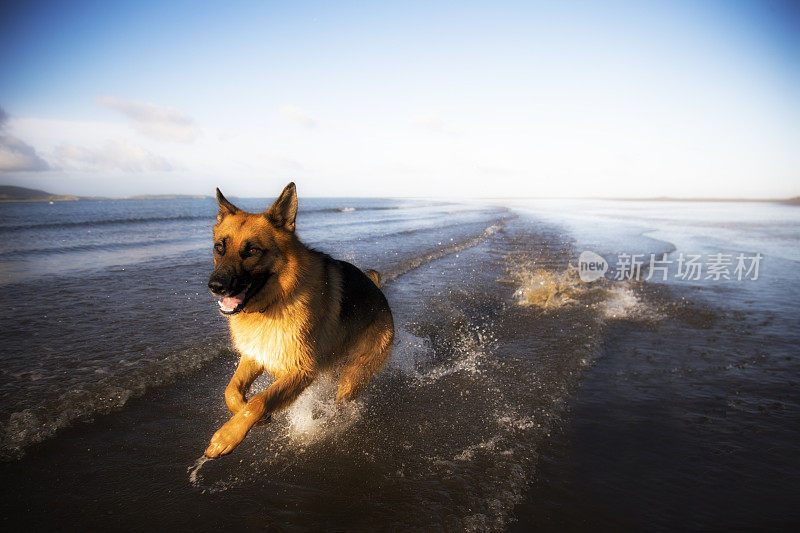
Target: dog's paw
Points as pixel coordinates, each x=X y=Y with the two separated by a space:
x=227 y=438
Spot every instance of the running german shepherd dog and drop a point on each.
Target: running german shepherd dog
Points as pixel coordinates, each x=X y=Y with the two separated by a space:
x=294 y=312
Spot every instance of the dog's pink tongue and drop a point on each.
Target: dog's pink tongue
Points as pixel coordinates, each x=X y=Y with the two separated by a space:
x=229 y=303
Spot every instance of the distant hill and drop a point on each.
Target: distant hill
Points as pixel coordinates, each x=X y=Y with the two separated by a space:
x=10 y=193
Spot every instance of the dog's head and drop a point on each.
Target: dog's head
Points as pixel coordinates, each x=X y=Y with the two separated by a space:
x=252 y=252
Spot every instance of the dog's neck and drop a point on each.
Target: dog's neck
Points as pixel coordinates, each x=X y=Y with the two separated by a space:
x=286 y=293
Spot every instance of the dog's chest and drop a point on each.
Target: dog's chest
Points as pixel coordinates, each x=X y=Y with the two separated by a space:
x=272 y=343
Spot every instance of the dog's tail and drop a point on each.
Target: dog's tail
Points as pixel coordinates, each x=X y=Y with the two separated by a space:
x=374 y=276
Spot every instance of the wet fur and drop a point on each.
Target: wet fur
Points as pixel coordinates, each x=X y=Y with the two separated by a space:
x=314 y=314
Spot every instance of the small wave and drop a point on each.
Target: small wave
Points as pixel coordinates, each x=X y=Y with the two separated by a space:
x=334 y=210
x=416 y=262
x=108 y=246
x=106 y=222
x=415 y=231
x=106 y=394
x=370 y=208
x=184 y=218
x=510 y=459
x=350 y=209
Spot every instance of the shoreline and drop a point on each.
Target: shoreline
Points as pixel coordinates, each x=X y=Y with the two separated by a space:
x=70 y=198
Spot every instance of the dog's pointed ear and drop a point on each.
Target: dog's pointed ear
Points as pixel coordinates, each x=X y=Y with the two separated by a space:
x=283 y=212
x=225 y=207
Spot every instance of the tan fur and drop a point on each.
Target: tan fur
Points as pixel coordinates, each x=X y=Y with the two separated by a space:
x=374 y=276
x=291 y=328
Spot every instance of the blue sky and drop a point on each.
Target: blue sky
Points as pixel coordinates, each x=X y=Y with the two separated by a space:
x=632 y=99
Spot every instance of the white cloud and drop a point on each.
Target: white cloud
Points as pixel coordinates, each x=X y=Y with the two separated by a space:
x=298 y=116
x=112 y=156
x=164 y=123
x=433 y=123
x=15 y=155
x=490 y=169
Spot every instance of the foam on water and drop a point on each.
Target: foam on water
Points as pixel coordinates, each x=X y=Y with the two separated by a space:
x=501 y=498
x=105 y=392
x=443 y=250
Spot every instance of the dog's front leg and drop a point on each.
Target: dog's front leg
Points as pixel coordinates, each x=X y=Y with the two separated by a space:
x=280 y=394
x=246 y=373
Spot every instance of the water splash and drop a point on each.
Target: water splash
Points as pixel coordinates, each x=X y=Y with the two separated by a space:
x=552 y=289
x=546 y=289
x=621 y=302
x=194 y=470
x=315 y=414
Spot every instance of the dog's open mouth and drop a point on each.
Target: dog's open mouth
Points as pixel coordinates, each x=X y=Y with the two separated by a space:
x=230 y=305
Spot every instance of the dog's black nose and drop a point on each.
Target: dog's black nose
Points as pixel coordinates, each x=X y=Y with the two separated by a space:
x=217 y=287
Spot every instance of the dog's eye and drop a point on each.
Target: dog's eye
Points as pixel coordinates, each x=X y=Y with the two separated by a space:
x=252 y=251
x=219 y=248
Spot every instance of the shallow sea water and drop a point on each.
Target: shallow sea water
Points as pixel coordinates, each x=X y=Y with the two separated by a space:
x=517 y=396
